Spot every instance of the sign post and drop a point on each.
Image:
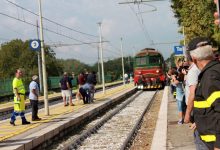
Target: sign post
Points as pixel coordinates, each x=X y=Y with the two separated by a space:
x=178 y=50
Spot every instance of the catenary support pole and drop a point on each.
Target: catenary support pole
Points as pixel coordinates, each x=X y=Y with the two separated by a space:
x=46 y=106
x=122 y=63
x=39 y=63
x=101 y=55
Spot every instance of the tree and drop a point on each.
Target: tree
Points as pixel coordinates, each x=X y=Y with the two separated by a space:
x=196 y=17
x=17 y=54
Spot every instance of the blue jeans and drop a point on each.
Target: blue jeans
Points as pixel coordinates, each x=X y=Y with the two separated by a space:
x=200 y=145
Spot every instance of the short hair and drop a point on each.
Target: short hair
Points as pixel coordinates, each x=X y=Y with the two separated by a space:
x=202 y=53
x=35 y=77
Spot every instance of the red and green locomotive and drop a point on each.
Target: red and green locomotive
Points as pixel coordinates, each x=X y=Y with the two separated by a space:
x=149 y=67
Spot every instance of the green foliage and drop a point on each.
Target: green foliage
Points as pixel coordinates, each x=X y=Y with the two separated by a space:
x=17 y=54
x=72 y=65
x=196 y=17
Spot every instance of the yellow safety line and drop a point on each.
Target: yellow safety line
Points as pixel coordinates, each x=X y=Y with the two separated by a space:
x=62 y=111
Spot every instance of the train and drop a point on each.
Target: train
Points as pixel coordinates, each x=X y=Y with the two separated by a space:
x=149 y=69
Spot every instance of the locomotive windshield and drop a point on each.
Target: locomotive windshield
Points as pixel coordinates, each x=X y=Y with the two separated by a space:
x=154 y=60
x=141 y=61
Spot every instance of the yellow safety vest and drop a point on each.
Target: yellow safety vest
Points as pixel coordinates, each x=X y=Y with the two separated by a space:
x=19 y=105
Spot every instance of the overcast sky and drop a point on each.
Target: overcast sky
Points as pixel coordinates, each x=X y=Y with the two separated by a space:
x=138 y=25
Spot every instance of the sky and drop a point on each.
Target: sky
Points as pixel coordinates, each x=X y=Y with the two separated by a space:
x=69 y=25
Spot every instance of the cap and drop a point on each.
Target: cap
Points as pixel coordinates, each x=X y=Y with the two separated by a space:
x=198 y=42
x=35 y=77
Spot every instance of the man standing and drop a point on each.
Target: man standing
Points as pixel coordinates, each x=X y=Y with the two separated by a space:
x=65 y=89
x=191 y=83
x=33 y=96
x=207 y=97
x=19 y=98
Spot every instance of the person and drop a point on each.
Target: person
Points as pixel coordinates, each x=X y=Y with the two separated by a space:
x=81 y=82
x=91 y=79
x=85 y=92
x=126 y=78
x=178 y=79
x=65 y=89
x=192 y=74
x=216 y=16
x=71 y=78
x=33 y=96
x=19 y=98
x=206 y=108
x=191 y=82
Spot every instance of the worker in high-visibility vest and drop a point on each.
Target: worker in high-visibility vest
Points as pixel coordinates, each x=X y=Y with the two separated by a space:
x=19 y=98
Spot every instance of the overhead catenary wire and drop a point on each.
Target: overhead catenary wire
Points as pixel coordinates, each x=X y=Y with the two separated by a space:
x=49 y=30
x=21 y=18
x=52 y=20
x=146 y=34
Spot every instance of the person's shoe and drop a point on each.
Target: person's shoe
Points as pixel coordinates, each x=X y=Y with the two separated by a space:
x=72 y=105
x=25 y=122
x=180 y=121
x=12 y=123
x=36 y=119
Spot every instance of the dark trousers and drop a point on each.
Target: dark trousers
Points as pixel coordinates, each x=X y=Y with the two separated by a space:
x=14 y=114
x=85 y=94
x=34 y=106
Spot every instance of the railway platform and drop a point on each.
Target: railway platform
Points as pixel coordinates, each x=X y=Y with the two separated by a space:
x=169 y=135
x=60 y=120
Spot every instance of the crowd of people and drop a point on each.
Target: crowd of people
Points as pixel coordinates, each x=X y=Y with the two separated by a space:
x=196 y=84
x=86 y=89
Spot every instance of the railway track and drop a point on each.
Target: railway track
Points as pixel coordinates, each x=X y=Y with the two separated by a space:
x=114 y=130
x=5 y=114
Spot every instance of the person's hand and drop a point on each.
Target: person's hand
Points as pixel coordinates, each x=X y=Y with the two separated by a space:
x=193 y=126
x=216 y=16
x=187 y=118
x=18 y=98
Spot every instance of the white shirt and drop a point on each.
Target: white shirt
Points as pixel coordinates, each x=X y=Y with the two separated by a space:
x=191 y=79
x=33 y=85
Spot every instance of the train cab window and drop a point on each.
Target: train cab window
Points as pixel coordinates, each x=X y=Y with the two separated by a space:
x=141 y=61
x=154 y=59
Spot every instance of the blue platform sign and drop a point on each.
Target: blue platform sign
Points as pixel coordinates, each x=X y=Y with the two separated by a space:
x=35 y=45
x=178 y=50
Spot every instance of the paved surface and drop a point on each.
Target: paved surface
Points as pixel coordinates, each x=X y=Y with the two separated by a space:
x=168 y=134
x=179 y=137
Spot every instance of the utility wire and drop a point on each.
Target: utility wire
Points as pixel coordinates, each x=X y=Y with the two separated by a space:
x=46 y=29
x=51 y=20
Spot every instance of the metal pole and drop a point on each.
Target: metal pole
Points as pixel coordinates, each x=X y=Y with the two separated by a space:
x=99 y=76
x=46 y=107
x=39 y=64
x=122 y=63
x=101 y=52
x=184 y=41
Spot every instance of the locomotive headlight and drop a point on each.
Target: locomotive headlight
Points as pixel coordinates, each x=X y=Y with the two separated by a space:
x=139 y=72
x=157 y=71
